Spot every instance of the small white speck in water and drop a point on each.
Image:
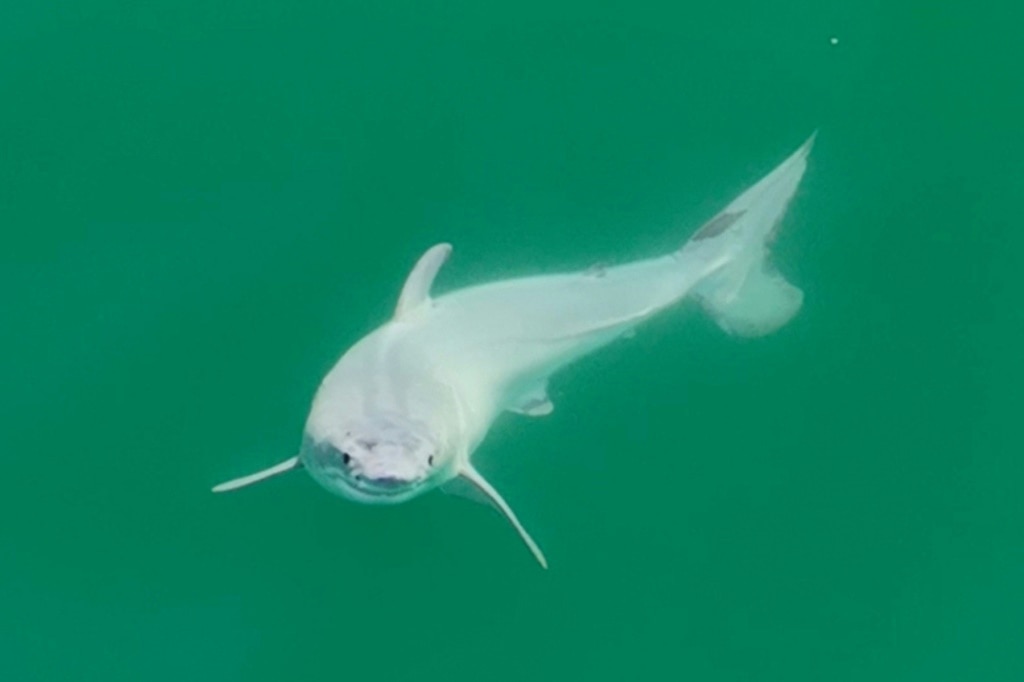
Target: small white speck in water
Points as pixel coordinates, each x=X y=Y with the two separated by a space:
x=834 y=41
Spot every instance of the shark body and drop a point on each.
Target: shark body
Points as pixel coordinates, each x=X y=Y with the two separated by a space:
x=404 y=409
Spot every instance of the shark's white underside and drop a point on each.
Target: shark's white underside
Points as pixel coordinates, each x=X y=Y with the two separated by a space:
x=436 y=376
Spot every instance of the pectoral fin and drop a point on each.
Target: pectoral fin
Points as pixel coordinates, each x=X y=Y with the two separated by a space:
x=534 y=403
x=275 y=470
x=471 y=476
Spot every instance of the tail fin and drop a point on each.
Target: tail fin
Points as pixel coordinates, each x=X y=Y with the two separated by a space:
x=745 y=295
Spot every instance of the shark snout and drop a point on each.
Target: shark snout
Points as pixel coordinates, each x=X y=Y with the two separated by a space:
x=386 y=481
x=386 y=466
x=369 y=469
x=389 y=473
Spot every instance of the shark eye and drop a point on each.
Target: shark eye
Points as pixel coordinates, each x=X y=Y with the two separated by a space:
x=430 y=460
x=346 y=458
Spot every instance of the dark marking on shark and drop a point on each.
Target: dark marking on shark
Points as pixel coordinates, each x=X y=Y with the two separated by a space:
x=717 y=225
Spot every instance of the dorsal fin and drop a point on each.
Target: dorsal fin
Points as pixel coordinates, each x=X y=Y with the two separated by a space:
x=416 y=291
x=470 y=475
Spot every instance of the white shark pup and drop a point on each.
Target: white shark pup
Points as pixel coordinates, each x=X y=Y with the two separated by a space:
x=404 y=409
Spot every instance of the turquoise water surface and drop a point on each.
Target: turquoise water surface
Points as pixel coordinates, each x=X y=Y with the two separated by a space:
x=202 y=204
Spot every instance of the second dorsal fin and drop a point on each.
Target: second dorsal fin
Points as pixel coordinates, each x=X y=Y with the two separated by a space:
x=416 y=290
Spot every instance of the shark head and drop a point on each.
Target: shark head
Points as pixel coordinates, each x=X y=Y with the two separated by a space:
x=380 y=460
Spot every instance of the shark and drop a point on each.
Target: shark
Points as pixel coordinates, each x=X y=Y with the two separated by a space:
x=405 y=408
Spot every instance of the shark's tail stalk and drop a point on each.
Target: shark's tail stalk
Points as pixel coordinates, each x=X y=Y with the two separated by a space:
x=746 y=295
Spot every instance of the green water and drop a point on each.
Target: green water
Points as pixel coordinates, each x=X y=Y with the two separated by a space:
x=202 y=204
